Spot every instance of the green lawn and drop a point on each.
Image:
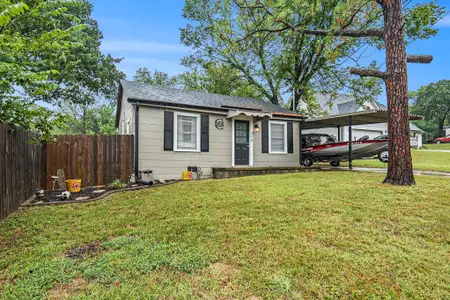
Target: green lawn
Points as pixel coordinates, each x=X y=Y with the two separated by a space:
x=422 y=160
x=437 y=146
x=304 y=235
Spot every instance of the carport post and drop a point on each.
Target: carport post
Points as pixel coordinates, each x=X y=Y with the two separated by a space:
x=339 y=133
x=300 y=143
x=350 y=166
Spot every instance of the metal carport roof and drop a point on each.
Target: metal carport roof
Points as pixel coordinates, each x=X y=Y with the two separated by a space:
x=357 y=118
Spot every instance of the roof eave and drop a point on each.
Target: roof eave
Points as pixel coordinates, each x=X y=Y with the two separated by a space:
x=222 y=109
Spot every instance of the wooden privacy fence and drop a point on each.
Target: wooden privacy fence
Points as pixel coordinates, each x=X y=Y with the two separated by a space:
x=24 y=166
x=21 y=170
x=95 y=159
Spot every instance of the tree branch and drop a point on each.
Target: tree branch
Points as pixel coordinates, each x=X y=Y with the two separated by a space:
x=368 y=73
x=419 y=59
x=347 y=33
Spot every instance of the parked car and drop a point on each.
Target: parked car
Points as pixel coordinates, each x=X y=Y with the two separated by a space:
x=445 y=139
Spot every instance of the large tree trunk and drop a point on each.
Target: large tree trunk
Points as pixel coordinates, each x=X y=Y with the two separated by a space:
x=400 y=170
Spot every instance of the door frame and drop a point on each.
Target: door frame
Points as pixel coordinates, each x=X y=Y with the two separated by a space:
x=250 y=136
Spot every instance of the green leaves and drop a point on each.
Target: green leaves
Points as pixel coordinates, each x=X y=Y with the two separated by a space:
x=29 y=116
x=49 y=50
x=157 y=78
x=421 y=18
x=10 y=11
x=433 y=102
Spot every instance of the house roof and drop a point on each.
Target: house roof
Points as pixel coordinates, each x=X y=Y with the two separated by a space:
x=144 y=93
x=342 y=104
x=413 y=127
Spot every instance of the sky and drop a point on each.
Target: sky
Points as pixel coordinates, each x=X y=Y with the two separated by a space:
x=146 y=33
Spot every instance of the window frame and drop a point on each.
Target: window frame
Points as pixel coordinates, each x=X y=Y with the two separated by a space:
x=285 y=137
x=175 y=131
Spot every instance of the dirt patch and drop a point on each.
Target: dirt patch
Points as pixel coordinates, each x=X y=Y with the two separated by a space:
x=83 y=251
x=223 y=272
x=10 y=241
x=63 y=291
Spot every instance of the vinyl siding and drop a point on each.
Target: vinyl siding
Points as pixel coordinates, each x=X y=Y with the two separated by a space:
x=126 y=115
x=275 y=160
x=170 y=164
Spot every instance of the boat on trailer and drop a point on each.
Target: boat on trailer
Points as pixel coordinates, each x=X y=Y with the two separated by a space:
x=323 y=147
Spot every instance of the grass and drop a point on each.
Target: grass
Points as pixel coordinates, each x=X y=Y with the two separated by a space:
x=437 y=146
x=304 y=235
x=422 y=160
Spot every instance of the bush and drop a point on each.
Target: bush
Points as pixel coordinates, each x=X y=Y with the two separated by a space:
x=117 y=184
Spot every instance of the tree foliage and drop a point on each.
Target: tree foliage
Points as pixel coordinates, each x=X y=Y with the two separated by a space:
x=433 y=102
x=88 y=119
x=24 y=61
x=217 y=79
x=253 y=37
x=49 y=50
x=158 y=78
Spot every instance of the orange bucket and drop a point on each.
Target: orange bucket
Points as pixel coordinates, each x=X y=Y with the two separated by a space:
x=186 y=175
x=73 y=185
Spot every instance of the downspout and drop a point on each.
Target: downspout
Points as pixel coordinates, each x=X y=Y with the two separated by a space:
x=136 y=148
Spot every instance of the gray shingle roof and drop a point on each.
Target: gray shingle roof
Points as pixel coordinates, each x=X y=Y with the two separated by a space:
x=413 y=127
x=144 y=92
x=341 y=104
x=348 y=107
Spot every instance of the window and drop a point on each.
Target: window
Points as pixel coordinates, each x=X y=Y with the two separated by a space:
x=277 y=137
x=187 y=132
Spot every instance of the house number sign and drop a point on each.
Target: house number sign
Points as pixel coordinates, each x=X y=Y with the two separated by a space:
x=219 y=124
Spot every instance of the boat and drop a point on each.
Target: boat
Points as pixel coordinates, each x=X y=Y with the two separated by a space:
x=323 y=147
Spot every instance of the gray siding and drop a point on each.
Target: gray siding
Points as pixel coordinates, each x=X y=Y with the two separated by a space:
x=126 y=116
x=170 y=164
x=275 y=160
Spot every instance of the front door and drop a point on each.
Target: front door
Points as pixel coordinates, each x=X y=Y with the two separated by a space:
x=241 y=142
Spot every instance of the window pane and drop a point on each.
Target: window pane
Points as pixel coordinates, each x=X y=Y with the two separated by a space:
x=277 y=137
x=187 y=133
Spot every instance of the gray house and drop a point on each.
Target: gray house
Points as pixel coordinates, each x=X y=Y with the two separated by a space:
x=177 y=129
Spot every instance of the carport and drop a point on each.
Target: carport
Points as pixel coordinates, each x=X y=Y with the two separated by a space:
x=371 y=116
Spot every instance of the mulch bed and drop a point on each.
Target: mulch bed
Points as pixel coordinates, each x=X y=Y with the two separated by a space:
x=85 y=194
x=88 y=194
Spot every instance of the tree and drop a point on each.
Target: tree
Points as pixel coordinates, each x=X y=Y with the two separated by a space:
x=433 y=102
x=50 y=52
x=275 y=65
x=90 y=119
x=389 y=32
x=157 y=78
x=24 y=60
x=30 y=116
x=217 y=79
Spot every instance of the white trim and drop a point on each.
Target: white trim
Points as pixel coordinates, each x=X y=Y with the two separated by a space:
x=270 y=137
x=184 y=109
x=175 y=131
x=250 y=137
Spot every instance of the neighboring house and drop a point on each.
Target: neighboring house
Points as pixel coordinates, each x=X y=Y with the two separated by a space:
x=176 y=129
x=447 y=130
x=344 y=104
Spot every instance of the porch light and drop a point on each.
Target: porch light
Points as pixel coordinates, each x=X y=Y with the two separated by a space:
x=256 y=128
